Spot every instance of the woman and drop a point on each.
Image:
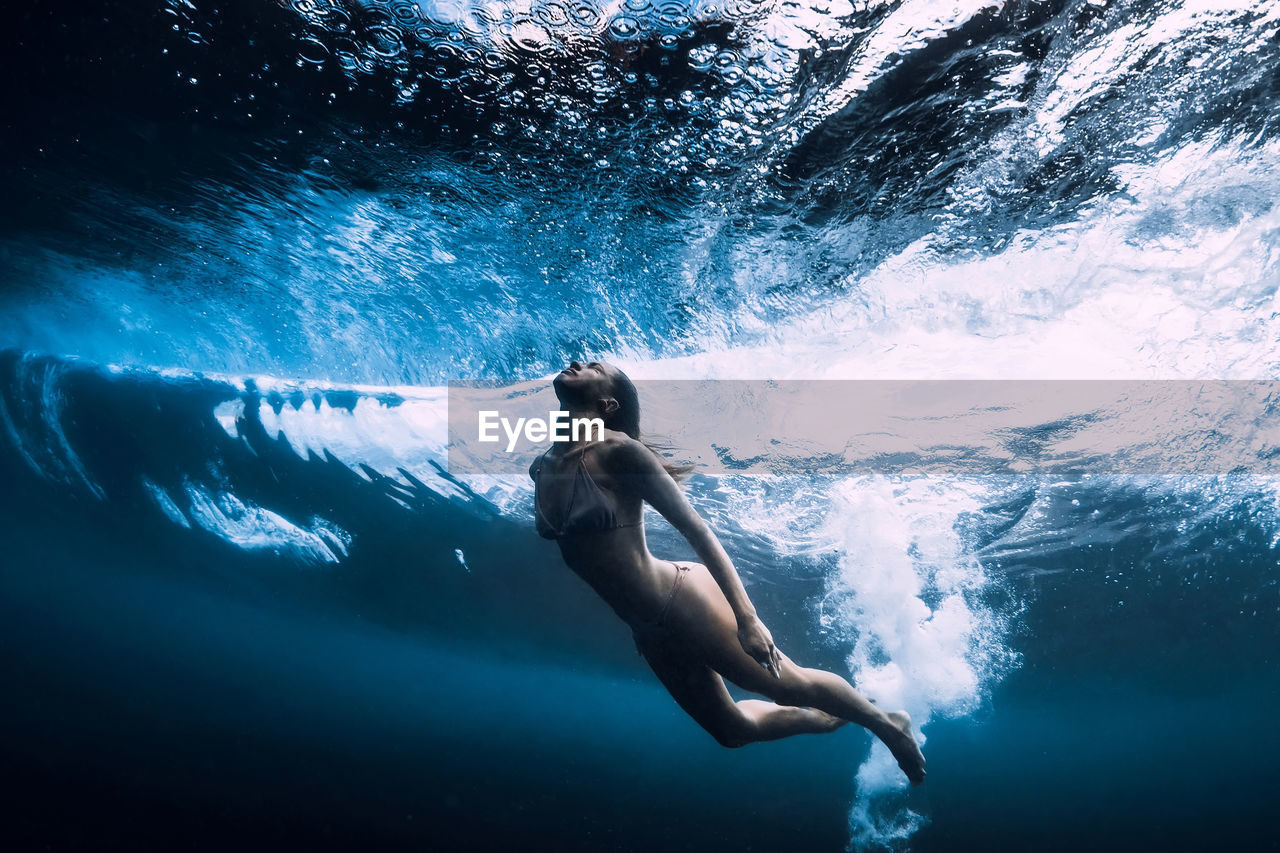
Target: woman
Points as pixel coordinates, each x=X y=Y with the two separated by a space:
x=692 y=622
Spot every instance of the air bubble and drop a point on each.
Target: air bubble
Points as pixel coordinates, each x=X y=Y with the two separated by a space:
x=586 y=15
x=530 y=37
x=553 y=14
x=313 y=50
x=624 y=28
x=385 y=42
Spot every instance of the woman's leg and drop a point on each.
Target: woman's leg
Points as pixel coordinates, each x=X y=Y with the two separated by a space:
x=700 y=691
x=705 y=618
x=817 y=688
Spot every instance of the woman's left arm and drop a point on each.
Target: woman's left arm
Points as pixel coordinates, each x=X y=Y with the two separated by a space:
x=638 y=468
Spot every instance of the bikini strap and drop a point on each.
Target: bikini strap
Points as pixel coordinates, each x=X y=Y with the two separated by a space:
x=675 y=587
x=558 y=530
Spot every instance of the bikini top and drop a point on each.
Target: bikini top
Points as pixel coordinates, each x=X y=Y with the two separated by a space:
x=589 y=510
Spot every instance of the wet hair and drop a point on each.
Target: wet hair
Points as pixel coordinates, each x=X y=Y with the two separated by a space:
x=626 y=419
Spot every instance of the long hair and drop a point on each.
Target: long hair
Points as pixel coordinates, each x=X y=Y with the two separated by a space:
x=626 y=418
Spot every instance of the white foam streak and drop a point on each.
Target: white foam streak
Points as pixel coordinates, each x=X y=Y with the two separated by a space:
x=899 y=552
x=1114 y=294
x=410 y=433
x=251 y=527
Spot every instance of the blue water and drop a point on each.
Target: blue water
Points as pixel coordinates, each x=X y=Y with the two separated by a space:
x=245 y=601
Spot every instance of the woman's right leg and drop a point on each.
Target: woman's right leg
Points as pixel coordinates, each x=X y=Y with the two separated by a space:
x=707 y=620
x=817 y=688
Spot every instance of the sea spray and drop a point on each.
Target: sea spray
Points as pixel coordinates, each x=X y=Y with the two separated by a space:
x=909 y=593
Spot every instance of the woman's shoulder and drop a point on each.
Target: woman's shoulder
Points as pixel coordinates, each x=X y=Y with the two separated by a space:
x=615 y=440
x=598 y=450
x=622 y=453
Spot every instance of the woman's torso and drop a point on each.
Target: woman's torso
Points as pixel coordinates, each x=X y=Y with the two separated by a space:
x=598 y=524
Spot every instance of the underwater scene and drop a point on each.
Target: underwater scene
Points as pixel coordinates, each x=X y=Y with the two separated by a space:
x=964 y=314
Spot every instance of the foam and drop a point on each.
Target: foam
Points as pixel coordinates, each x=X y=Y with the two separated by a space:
x=898 y=548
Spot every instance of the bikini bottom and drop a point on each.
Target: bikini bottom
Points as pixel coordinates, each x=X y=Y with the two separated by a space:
x=656 y=629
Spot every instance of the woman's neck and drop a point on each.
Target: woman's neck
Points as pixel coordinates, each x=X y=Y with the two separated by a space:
x=580 y=419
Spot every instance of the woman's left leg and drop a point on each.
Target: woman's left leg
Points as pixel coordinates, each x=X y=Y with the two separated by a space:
x=826 y=691
x=700 y=691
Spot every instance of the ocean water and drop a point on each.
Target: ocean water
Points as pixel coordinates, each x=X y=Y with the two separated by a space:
x=982 y=297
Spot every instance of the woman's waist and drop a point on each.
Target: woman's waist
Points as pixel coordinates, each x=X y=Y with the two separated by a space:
x=633 y=588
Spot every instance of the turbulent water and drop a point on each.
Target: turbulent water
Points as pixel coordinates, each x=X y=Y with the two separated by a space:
x=248 y=599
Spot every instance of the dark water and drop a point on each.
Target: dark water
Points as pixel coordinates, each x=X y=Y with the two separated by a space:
x=247 y=244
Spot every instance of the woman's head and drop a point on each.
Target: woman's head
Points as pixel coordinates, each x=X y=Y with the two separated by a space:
x=626 y=417
x=609 y=393
x=602 y=389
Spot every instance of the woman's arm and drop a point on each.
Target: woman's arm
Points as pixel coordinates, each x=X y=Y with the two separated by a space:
x=637 y=468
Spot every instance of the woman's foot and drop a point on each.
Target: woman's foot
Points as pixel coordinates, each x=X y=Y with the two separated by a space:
x=902 y=743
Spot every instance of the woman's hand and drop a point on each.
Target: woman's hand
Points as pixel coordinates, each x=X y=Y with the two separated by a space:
x=758 y=642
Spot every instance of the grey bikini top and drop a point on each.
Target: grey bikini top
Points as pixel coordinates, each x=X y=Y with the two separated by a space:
x=590 y=508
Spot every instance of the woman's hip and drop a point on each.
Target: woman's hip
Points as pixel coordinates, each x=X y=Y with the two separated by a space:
x=692 y=611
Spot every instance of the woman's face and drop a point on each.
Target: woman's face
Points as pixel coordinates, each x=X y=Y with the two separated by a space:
x=584 y=382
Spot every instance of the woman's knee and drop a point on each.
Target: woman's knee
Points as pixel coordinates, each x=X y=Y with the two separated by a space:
x=736 y=729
